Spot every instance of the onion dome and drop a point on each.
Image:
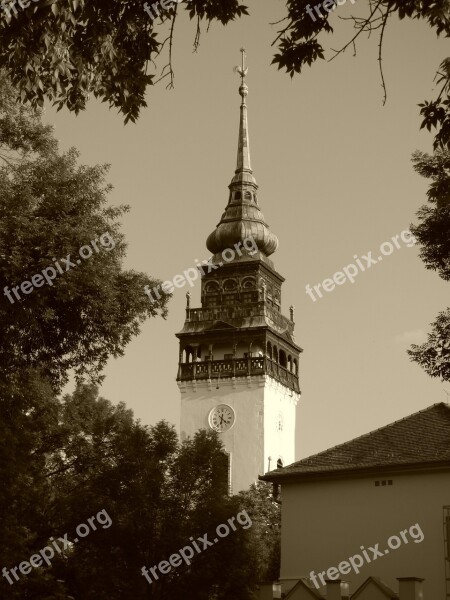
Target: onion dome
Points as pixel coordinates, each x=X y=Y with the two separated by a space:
x=242 y=218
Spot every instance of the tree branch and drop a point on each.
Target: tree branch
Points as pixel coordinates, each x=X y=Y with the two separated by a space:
x=380 y=45
x=361 y=29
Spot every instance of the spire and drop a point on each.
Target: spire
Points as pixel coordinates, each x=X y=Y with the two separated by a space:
x=242 y=217
x=243 y=156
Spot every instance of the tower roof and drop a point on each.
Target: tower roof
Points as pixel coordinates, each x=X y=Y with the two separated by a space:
x=242 y=218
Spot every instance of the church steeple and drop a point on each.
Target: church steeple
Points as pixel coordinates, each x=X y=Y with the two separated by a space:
x=242 y=218
x=238 y=365
x=243 y=156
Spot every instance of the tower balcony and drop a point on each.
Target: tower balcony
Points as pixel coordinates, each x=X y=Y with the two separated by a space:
x=238 y=367
x=228 y=313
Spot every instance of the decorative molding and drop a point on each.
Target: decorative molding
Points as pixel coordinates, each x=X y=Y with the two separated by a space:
x=253 y=381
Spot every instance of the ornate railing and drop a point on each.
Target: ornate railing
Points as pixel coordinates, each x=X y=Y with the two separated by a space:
x=223 y=312
x=237 y=367
x=216 y=313
x=279 y=321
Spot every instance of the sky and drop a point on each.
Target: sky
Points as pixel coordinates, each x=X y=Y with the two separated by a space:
x=336 y=180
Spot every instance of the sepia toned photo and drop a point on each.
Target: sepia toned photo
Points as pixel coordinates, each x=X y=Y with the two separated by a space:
x=224 y=308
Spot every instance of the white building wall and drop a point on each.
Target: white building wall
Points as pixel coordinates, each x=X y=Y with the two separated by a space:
x=257 y=402
x=279 y=403
x=326 y=522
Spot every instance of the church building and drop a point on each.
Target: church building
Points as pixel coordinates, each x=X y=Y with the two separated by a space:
x=238 y=361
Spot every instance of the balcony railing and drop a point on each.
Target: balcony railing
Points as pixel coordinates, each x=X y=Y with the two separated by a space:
x=237 y=367
x=216 y=313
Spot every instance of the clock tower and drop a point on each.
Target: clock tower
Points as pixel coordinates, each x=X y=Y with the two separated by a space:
x=238 y=360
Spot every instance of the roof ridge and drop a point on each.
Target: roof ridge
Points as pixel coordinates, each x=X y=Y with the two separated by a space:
x=365 y=435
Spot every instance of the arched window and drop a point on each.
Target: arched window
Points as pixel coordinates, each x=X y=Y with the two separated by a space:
x=275 y=354
x=295 y=366
x=283 y=361
x=248 y=283
x=212 y=287
x=269 y=350
x=289 y=363
x=230 y=285
x=188 y=354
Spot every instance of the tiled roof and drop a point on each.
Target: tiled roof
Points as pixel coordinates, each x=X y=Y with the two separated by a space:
x=420 y=439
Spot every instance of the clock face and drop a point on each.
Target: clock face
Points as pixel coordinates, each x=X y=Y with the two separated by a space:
x=221 y=418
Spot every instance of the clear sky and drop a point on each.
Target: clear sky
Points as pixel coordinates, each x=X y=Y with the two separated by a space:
x=335 y=177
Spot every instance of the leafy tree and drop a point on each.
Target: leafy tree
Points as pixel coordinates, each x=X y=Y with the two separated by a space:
x=299 y=45
x=266 y=530
x=67 y=50
x=91 y=456
x=434 y=354
x=159 y=494
x=50 y=207
x=29 y=432
x=22 y=132
x=433 y=233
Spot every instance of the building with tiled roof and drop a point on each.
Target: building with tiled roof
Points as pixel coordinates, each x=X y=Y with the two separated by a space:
x=419 y=441
x=382 y=499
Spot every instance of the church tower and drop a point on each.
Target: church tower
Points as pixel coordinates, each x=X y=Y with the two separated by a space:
x=238 y=360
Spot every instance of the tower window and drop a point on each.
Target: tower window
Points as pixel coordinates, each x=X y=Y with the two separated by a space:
x=230 y=285
x=212 y=287
x=248 y=297
x=248 y=195
x=211 y=301
x=249 y=283
x=224 y=467
x=237 y=195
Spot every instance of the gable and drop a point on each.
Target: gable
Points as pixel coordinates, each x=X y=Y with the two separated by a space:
x=302 y=591
x=374 y=589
